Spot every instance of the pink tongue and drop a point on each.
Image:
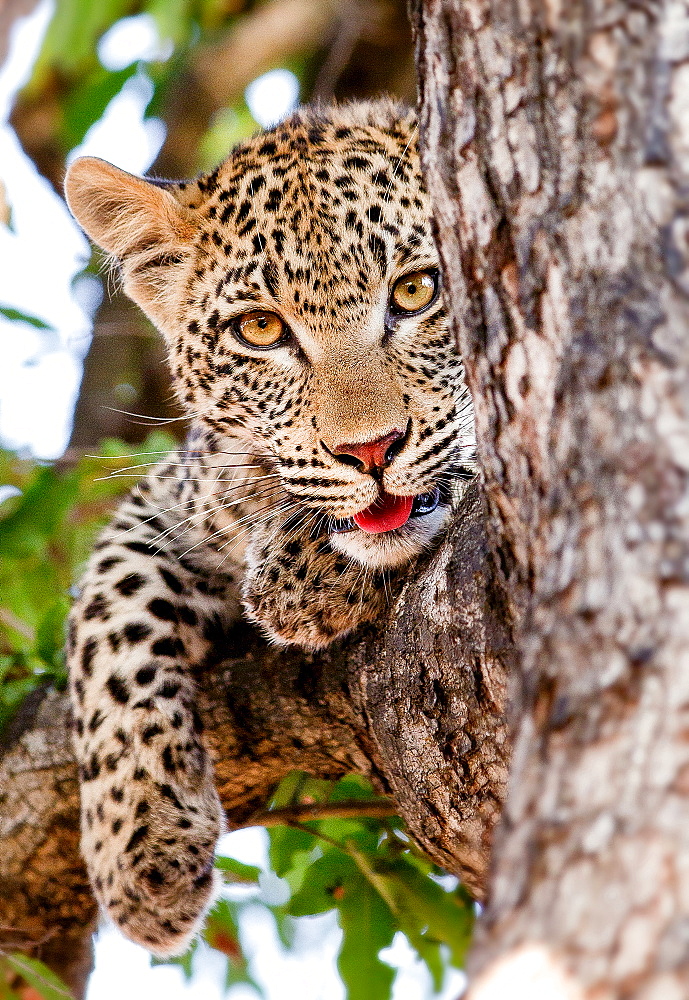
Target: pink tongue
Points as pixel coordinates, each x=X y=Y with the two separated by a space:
x=384 y=514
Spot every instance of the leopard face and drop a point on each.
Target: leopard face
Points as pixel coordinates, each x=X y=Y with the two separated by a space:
x=300 y=293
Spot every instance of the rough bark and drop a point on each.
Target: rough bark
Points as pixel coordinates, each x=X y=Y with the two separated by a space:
x=556 y=144
x=46 y=906
x=416 y=704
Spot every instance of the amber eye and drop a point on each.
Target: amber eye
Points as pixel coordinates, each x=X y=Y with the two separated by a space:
x=260 y=329
x=413 y=292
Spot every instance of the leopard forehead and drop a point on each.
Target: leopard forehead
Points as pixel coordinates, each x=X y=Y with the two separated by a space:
x=318 y=215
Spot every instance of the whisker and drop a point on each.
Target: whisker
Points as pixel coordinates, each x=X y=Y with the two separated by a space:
x=268 y=512
x=146 y=419
x=206 y=513
x=161 y=511
x=174 y=465
x=224 y=530
x=172 y=452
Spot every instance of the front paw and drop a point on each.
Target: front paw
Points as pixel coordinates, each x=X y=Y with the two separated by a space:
x=300 y=591
x=152 y=866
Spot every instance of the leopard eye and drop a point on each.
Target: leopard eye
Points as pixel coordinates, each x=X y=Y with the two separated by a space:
x=260 y=329
x=413 y=292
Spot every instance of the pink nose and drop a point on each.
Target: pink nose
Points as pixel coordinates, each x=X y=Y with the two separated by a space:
x=371 y=454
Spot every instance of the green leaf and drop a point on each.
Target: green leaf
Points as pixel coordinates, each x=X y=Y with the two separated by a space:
x=50 y=633
x=237 y=871
x=70 y=41
x=286 y=844
x=228 y=127
x=289 y=790
x=87 y=102
x=21 y=317
x=368 y=926
x=39 y=512
x=424 y=907
x=5 y=992
x=38 y=975
x=323 y=885
x=222 y=933
x=431 y=954
x=173 y=19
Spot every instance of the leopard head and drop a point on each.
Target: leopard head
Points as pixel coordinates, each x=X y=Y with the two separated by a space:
x=300 y=293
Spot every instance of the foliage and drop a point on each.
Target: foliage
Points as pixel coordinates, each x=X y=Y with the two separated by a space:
x=363 y=869
x=68 y=64
x=48 y=521
x=42 y=982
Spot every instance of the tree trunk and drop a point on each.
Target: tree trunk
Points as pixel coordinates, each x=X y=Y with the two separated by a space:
x=415 y=704
x=556 y=142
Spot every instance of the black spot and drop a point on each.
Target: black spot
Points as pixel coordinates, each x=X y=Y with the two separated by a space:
x=167 y=792
x=118 y=689
x=136 y=631
x=243 y=212
x=378 y=249
x=175 y=585
x=142 y=547
x=187 y=615
x=165 y=647
x=96 y=720
x=162 y=609
x=356 y=163
x=168 y=762
x=114 y=640
x=88 y=653
x=129 y=584
x=169 y=689
x=137 y=837
x=154 y=877
x=203 y=880
x=97 y=607
x=105 y=564
x=117 y=826
x=145 y=675
x=150 y=732
x=256 y=184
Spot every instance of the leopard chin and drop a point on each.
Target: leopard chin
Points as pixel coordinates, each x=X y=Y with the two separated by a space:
x=389 y=549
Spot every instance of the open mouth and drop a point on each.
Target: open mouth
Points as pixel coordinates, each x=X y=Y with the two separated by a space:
x=388 y=512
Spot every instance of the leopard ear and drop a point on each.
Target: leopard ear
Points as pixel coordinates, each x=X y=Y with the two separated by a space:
x=141 y=223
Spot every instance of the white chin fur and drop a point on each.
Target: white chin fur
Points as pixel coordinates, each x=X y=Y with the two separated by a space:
x=391 y=548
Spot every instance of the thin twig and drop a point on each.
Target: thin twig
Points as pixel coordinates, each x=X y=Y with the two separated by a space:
x=11 y=620
x=305 y=812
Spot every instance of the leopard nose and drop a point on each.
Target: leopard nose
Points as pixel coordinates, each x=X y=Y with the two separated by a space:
x=371 y=455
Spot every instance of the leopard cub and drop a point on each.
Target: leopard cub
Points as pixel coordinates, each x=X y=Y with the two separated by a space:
x=299 y=291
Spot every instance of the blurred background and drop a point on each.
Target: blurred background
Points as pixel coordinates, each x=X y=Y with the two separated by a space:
x=167 y=87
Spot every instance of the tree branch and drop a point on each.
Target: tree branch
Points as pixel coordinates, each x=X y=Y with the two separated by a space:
x=415 y=704
x=306 y=812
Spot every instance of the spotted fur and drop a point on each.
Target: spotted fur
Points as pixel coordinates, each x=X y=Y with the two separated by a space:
x=314 y=221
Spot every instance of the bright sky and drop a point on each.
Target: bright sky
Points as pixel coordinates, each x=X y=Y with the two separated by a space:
x=39 y=381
